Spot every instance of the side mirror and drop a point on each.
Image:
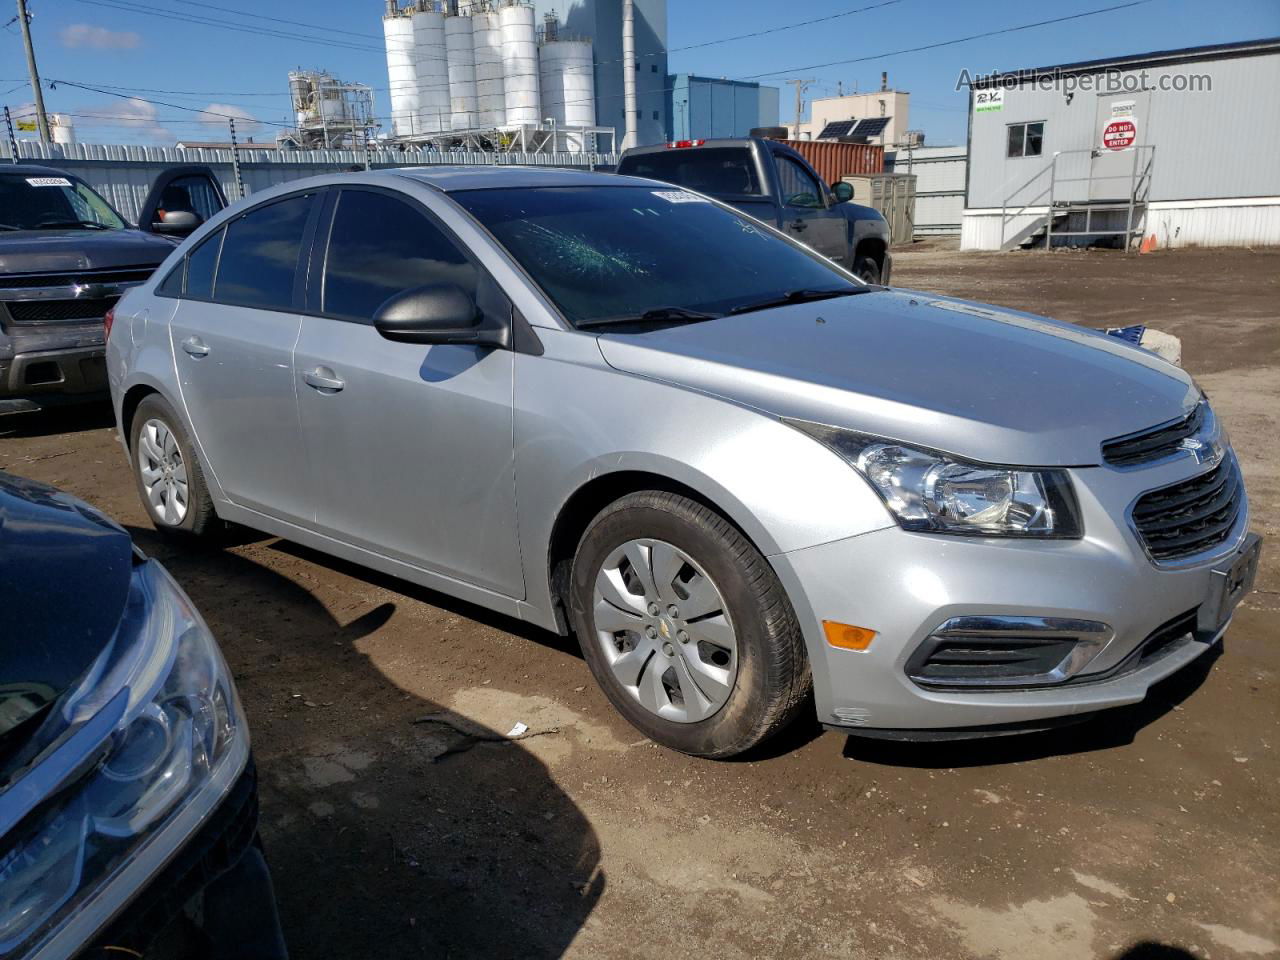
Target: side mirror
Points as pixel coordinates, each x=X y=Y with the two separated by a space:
x=843 y=191
x=438 y=313
x=177 y=223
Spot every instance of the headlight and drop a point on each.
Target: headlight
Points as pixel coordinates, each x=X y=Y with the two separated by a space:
x=177 y=737
x=936 y=493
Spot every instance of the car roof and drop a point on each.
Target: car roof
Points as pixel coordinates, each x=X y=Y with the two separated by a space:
x=33 y=170
x=725 y=142
x=452 y=178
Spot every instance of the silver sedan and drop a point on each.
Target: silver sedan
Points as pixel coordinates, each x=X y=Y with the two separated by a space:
x=750 y=484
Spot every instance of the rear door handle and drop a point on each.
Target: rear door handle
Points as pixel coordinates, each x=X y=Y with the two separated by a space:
x=799 y=225
x=195 y=347
x=324 y=380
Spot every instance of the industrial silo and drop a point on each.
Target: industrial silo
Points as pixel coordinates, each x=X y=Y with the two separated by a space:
x=568 y=87
x=431 y=68
x=491 y=105
x=519 y=64
x=398 y=31
x=462 y=72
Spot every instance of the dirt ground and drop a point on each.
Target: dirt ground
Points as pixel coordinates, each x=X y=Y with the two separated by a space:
x=395 y=829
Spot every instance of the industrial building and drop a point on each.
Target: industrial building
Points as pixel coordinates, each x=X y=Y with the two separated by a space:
x=1167 y=149
x=495 y=74
x=706 y=108
x=877 y=117
x=330 y=114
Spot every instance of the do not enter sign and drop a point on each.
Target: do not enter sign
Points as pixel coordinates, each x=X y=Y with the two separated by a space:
x=1119 y=135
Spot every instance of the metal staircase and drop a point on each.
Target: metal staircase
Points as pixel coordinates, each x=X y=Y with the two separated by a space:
x=1056 y=207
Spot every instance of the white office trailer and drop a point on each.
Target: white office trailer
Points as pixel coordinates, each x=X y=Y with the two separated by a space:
x=1168 y=149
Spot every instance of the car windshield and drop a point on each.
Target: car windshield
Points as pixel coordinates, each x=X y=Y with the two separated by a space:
x=53 y=201
x=605 y=252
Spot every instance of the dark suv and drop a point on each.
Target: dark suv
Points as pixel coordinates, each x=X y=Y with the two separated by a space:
x=66 y=256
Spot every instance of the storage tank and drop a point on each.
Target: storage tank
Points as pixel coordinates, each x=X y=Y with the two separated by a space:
x=61 y=128
x=568 y=87
x=491 y=105
x=459 y=43
x=520 y=65
x=398 y=31
x=431 y=68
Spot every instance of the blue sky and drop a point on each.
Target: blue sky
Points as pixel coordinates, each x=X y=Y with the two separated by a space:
x=115 y=43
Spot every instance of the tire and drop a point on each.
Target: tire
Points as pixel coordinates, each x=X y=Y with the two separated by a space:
x=752 y=675
x=866 y=269
x=174 y=509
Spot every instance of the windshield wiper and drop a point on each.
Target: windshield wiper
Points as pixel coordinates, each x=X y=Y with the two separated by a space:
x=656 y=315
x=798 y=296
x=8 y=226
x=56 y=224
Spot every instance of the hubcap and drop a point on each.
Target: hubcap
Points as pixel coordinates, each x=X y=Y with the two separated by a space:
x=665 y=631
x=163 y=473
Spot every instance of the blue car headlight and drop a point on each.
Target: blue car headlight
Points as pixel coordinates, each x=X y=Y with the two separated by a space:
x=178 y=741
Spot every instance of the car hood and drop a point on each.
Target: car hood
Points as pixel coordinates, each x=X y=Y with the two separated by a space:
x=64 y=578
x=977 y=381
x=65 y=251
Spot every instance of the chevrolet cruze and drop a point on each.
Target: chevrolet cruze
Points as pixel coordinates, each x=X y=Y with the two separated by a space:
x=749 y=483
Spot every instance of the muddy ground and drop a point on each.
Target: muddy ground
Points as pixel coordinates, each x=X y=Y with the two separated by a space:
x=1151 y=833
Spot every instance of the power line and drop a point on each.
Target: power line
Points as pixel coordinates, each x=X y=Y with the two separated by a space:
x=787 y=26
x=222 y=25
x=262 y=16
x=948 y=43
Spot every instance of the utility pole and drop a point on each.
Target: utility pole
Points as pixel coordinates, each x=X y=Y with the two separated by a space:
x=42 y=121
x=800 y=86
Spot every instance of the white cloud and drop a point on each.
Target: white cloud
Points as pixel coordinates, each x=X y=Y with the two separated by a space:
x=98 y=38
x=216 y=119
x=134 y=115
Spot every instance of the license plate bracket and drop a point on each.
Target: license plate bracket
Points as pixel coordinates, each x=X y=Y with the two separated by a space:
x=1228 y=584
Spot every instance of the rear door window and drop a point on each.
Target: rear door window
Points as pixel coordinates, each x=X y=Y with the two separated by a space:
x=201 y=264
x=723 y=171
x=259 y=260
x=380 y=246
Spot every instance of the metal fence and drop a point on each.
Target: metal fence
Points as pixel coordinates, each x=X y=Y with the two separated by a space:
x=123 y=174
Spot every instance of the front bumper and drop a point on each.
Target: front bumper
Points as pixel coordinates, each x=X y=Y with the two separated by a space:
x=55 y=359
x=220 y=876
x=905 y=585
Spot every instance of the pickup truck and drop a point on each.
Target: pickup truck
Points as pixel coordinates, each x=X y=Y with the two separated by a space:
x=773 y=183
x=66 y=257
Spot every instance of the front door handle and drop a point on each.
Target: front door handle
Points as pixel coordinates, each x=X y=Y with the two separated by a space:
x=324 y=380
x=195 y=347
x=799 y=225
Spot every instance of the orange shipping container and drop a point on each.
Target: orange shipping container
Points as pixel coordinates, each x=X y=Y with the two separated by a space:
x=835 y=160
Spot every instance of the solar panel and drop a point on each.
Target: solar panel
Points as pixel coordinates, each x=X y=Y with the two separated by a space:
x=837 y=128
x=871 y=127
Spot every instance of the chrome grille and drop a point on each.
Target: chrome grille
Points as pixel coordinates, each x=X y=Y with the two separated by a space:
x=118 y=275
x=1191 y=516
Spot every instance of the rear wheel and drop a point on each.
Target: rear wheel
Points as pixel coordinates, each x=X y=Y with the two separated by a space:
x=167 y=472
x=685 y=626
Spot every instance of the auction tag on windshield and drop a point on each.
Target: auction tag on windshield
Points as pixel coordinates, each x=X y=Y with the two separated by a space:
x=679 y=196
x=48 y=181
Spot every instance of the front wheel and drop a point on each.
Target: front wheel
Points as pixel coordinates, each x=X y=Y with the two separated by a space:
x=685 y=626
x=167 y=472
x=866 y=269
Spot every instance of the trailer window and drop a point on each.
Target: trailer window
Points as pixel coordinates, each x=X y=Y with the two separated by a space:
x=1026 y=139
